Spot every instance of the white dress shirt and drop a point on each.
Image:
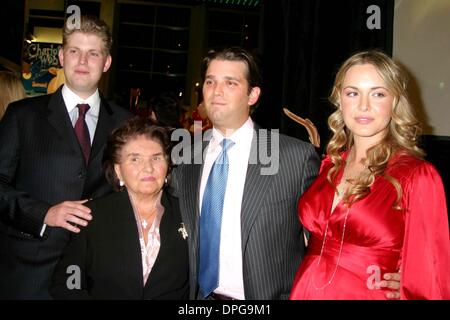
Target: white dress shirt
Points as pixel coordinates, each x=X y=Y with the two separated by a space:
x=231 y=281
x=71 y=100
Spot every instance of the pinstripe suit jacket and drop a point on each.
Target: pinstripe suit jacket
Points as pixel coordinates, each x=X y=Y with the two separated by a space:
x=41 y=164
x=272 y=242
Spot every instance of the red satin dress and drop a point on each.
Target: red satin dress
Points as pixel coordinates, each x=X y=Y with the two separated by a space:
x=377 y=238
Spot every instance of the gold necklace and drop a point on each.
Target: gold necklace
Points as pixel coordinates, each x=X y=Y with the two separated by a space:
x=340 y=193
x=340 y=251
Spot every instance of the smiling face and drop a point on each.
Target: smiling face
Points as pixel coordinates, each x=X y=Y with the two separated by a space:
x=226 y=94
x=84 y=59
x=366 y=104
x=143 y=167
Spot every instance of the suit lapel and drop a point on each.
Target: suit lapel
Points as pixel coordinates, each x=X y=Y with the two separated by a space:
x=105 y=125
x=127 y=224
x=194 y=182
x=58 y=117
x=60 y=120
x=255 y=189
x=193 y=187
x=189 y=205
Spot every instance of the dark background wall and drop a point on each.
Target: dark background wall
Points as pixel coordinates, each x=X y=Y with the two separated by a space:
x=304 y=42
x=12 y=26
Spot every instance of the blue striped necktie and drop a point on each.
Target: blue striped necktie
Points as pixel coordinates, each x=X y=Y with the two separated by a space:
x=211 y=221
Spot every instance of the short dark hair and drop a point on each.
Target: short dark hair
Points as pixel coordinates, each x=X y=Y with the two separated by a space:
x=167 y=108
x=254 y=78
x=130 y=130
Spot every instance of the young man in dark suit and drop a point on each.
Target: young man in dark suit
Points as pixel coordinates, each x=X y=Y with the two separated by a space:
x=259 y=242
x=51 y=150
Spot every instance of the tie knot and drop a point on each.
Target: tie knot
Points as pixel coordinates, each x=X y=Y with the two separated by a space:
x=82 y=109
x=226 y=143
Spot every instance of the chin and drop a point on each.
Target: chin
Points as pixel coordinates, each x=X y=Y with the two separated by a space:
x=151 y=191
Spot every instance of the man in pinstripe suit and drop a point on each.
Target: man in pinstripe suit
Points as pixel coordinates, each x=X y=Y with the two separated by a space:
x=44 y=171
x=261 y=243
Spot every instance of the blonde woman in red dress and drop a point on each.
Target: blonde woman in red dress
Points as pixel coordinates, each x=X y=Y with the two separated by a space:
x=376 y=207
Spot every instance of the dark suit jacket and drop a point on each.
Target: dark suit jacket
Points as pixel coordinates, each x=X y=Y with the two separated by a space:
x=272 y=242
x=41 y=164
x=109 y=255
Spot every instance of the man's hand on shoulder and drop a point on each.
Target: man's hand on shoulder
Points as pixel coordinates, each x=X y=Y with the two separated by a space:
x=68 y=215
x=392 y=281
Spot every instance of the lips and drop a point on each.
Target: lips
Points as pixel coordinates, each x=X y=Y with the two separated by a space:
x=363 y=120
x=83 y=72
x=148 y=179
x=216 y=103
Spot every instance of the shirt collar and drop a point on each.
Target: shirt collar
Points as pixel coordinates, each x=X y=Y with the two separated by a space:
x=237 y=135
x=71 y=99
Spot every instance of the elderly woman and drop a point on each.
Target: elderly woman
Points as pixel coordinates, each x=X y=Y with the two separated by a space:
x=135 y=246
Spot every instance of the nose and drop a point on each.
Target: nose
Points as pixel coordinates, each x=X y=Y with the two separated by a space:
x=364 y=102
x=83 y=57
x=148 y=165
x=218 y=89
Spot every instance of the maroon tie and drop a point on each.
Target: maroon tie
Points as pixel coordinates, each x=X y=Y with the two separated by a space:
x=82 y=132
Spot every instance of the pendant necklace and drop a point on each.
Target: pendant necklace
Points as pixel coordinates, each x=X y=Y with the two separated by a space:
x=339 y=256
x=143 y=222
x=327 y=283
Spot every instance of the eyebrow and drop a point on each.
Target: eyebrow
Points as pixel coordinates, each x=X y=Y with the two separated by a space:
x=78 y=48
x=133 y=154
x=372 y=88
x=158 y=154
x=226 y=78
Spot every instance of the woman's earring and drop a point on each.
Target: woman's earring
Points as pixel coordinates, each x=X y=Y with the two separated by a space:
x=121 y=183
x=165 y=180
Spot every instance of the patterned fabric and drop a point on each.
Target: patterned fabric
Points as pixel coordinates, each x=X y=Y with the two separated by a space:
x=149 y=251
x=271 y=235
x=82 y=131
x=211 y=221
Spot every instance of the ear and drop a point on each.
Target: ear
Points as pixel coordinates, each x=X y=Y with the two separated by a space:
x=117 y=171
x=107 y=63
x=61 y=56
x=254 y=95
x=153 y=117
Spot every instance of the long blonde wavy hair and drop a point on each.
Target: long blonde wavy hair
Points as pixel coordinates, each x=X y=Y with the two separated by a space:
x=403 y=130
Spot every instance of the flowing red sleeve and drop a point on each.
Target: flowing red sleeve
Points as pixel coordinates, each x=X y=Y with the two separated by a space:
x=425 y=269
